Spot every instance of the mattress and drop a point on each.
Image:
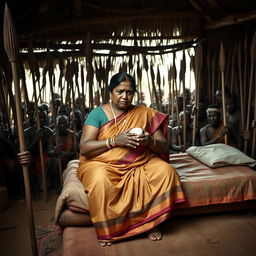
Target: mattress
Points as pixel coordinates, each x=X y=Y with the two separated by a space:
x=206 y=189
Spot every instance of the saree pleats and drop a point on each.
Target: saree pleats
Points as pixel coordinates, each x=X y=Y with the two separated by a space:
x=130 y=190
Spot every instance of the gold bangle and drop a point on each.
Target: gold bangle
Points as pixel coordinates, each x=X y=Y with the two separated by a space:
x=107 y=143
x=113 y=142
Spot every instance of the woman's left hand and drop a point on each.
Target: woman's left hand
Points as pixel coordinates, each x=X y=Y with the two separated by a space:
x=145 y=140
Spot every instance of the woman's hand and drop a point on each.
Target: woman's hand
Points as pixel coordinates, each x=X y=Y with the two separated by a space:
x=127 y=139
x=146 y=140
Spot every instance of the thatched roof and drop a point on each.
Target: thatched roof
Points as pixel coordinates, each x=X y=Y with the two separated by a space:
x=69 y=20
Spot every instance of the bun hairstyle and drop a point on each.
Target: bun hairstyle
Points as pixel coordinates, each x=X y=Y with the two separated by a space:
x=119 y=78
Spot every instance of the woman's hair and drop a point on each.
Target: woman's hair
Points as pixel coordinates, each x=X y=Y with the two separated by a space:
x=119 y=78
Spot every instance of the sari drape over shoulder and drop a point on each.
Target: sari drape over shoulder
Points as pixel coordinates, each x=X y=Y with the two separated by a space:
x=130 y=190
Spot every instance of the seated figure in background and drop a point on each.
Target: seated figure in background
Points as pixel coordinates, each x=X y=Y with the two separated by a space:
x=215 y=131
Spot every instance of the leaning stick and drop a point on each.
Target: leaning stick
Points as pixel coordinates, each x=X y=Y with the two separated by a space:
x=31 y=61
x=222 y=70
x=11 y=48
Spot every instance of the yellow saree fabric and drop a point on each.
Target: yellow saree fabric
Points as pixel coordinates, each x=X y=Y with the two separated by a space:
x=130 y=191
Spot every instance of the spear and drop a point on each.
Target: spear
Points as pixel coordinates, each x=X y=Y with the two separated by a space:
x=145 y=65
x=198 y=66
x=49 y=69
x=61 y=67
x=241 y=93
x=208 y=63
x=89 y=53
x=222 y=70
x=175 y=94
x=83 y=91
x=158 y=79
x=213 y=70
x=253 y=59
x=183 y=71
x=11 y=48
x=154 y=86
x=32 y=61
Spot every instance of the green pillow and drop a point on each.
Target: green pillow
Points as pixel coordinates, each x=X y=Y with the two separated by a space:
x=216 y=155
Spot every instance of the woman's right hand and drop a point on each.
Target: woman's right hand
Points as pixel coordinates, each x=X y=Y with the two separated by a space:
x=127 y=139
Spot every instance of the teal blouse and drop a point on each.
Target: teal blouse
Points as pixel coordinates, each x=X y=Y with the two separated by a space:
x=97 y=117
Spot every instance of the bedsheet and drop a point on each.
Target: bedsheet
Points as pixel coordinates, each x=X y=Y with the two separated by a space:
x=208 y=186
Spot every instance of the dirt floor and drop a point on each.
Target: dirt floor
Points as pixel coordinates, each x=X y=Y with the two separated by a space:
x=222 y=234
x=14 y=231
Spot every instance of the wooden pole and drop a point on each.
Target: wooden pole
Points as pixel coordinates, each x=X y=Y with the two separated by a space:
x=222 y=70
x=11 y=48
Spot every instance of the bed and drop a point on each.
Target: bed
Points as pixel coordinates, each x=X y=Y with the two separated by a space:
x=207 y=190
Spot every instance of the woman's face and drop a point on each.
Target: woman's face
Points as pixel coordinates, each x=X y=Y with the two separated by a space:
x=122 y=95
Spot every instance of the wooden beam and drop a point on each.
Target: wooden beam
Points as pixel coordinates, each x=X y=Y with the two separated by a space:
x=75 y=24
x=81 y=53
x=231 y=20
x=77 y=37
x=111 y=47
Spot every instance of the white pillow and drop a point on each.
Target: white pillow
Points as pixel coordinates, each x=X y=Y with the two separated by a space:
x=216 y=155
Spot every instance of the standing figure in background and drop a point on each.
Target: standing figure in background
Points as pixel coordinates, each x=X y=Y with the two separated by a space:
x=66 y=150
x=32 y=138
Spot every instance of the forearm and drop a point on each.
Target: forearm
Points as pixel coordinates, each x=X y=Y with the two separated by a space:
x=93 y=148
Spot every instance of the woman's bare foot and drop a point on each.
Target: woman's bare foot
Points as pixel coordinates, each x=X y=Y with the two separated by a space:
x=154 y=234
x=103 y=244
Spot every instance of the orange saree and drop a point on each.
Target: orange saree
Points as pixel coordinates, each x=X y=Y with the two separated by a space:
x=129 y=190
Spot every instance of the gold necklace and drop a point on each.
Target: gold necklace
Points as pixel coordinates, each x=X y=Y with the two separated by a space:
x=113 y=112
